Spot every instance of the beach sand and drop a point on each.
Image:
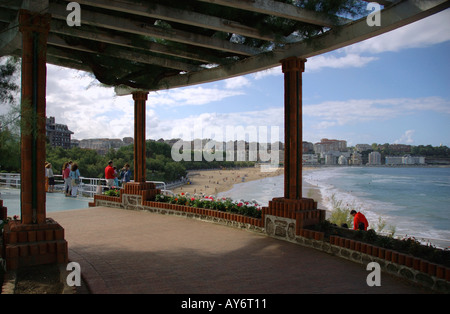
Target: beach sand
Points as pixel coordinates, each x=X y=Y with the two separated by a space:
x=212 y=182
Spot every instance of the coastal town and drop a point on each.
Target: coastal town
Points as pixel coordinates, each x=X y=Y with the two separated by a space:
x=326 y=152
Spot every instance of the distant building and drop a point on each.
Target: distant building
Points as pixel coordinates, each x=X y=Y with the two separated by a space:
x=310 y=159
x=128 y=140
x=374 y=158
x=404 y=160
x=400 y=148
x=308 y=147
x=393 y=160
x=362 y=147
x=58 y=134
x=102 y=145
x=74 y=143
x=325 y=145
x=342 y=160
x=356 y=159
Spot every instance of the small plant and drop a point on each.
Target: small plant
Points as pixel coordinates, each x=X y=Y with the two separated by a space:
x=381 y=224
x=113 y=192
x=339 y=214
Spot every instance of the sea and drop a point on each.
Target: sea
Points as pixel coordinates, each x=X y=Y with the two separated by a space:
x=412 y=201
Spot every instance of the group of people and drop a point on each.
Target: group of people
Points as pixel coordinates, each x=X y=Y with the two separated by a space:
x=71 y=177
x=112 y=176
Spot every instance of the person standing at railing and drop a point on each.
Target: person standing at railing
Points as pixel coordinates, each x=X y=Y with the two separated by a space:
x=51 y=178
x=126 y=174
x=66 y=178
x=116 y=177
x=109 y=174
x=75 y=177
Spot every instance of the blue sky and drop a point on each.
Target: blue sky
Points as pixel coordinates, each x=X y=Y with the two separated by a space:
x=394 y=88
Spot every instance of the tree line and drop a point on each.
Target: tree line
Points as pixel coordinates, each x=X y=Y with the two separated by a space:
x=159 y=164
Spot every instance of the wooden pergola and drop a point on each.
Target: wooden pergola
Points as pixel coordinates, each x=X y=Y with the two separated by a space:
x=144 y=46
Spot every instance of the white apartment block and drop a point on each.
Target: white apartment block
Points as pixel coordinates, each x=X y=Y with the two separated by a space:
x=374 y=158
x=405 y=160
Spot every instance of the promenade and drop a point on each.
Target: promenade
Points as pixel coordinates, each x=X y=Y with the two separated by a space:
x=134 y=252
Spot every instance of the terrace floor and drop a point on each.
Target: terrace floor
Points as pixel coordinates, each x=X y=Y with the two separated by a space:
x=127 y=251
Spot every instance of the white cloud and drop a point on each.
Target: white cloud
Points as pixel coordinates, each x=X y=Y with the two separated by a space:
x=205 y=124
x=190 y=96
x=331 y=61
x=237 y=82
x=88 y=110
x=331 y=113
x=428 y=31
x=406 y=138
x=276 y=71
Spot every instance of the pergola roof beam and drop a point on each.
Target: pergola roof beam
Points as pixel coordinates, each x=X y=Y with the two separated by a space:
x=121 y=53
x=179 y=16
x=279 y=9
x=140 y=28
x=100 y=35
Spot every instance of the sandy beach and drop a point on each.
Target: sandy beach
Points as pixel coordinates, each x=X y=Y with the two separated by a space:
x=212 y=182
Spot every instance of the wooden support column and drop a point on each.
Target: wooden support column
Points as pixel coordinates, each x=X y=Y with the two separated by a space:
x=35 y=239
x=34 y=28
x=146 y=189
x=293 y=138
x=293 y=206
x=139 y=136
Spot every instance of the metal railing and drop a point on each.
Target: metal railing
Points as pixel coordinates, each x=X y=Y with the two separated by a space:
x=88 y=187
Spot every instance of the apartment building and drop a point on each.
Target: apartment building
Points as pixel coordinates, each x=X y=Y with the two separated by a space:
x=374 y=158
x=325 y=145
x=58 y=134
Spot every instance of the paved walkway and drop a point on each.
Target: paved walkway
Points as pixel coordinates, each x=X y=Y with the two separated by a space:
x=123 y=251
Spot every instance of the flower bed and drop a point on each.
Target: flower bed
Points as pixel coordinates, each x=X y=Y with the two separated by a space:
x=245 y=208
x=113 y=192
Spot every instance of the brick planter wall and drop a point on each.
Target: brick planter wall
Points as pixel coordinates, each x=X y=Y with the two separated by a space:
x=436 y=277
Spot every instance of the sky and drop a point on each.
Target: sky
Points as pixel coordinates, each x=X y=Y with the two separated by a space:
x=394 y=88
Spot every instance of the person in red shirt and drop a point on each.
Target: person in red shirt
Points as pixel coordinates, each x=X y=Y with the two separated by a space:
x=109 y=174
x=359 y=221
